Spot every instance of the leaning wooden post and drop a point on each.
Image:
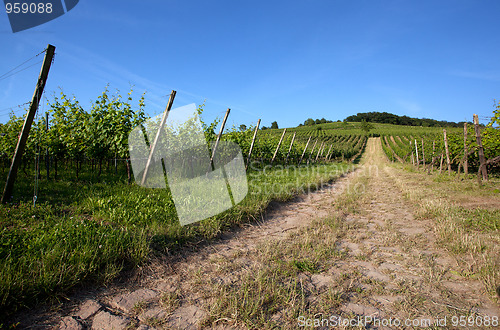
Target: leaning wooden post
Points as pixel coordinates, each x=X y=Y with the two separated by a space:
x=328 y=154
x=441 y=164
x=331 y=153
x=466 y=166
x=305 y=149
x=431 y=166
x=278 y=147
x=47 y=161
x=482 y=159
x=312 y=151
x=423 y=155
x=319 y=150
x=253 y=142
x=23 y=137
x=219 y=136
x=322 y=150
x=416 y=153
x=290 y=149
x=447 y=151
x=157 y=137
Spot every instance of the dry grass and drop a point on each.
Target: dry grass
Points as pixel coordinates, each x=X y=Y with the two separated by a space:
x=471 y=235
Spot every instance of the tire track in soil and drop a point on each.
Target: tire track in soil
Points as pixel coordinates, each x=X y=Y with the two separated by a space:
x=390 y=257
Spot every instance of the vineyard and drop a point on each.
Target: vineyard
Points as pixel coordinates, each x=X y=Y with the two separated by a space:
x=448 y=149
x=88 y=221
x=77 y=216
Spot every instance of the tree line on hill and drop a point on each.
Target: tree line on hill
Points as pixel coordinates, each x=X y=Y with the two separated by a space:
x=310 y=122
x=389 y=118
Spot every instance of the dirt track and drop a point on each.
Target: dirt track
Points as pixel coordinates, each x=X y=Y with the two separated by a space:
x=390 y=257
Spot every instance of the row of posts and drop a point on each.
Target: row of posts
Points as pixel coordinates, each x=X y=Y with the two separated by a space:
x=463 y=163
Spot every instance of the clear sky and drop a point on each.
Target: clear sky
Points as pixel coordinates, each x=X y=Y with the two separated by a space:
x=275 y=60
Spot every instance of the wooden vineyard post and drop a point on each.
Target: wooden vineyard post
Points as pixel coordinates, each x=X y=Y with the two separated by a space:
x=157 y=137
x=219 y=136
x=290 y=149
x=431 y=166
x=23 y=137
x=278 y=147
x=304 y=152
x=319 y=150
x=312 y=151
x=331 y=153
x=47 y=161
x=441 y=164
x=482 y=159
x=416 y=152
x=253 y=142
x=466 y=162
x=412 y=156
x=447 y=151
x=423 y=155
x=328 y=154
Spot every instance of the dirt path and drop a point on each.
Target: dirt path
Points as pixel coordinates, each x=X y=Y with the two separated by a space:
x=390 y=267
x=403 y=272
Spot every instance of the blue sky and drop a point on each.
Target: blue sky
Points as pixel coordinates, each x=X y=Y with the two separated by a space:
x=275 y=60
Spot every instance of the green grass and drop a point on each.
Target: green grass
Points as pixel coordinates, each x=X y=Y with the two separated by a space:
x=89 y=232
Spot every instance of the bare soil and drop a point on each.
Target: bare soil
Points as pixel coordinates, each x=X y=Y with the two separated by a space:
x=389 y=256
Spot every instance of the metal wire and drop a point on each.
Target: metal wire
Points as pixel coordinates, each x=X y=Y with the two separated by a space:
x=15 y=106
x=26 y=68
x=6 y=73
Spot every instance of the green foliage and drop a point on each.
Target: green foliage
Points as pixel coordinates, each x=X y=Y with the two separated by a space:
x=401 y=144
x=274 y=125
x=389 y=118
x=366 y=126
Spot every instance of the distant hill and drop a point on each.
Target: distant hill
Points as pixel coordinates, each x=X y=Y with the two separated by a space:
x=389 y=118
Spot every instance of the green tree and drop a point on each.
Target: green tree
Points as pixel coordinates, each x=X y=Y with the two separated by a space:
x=274 y=125
x=309 y=122
x=366 y=126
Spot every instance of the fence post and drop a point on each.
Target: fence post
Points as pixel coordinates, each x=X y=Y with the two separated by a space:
x=47 y=162
x=412 y=156
x=157 y=137
x=278 y=147
x=304 y=152
x=219 y=136
x=423 y=155
x=312 y=151
x=253 y=142
x=441 y=164
x=447 y=151
x=466 y=162
x=319 y=150
x=416 y=153
x=482 y=159
x=328 y=154
x=431 y=166
x=23 y=137
x=290 y=149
